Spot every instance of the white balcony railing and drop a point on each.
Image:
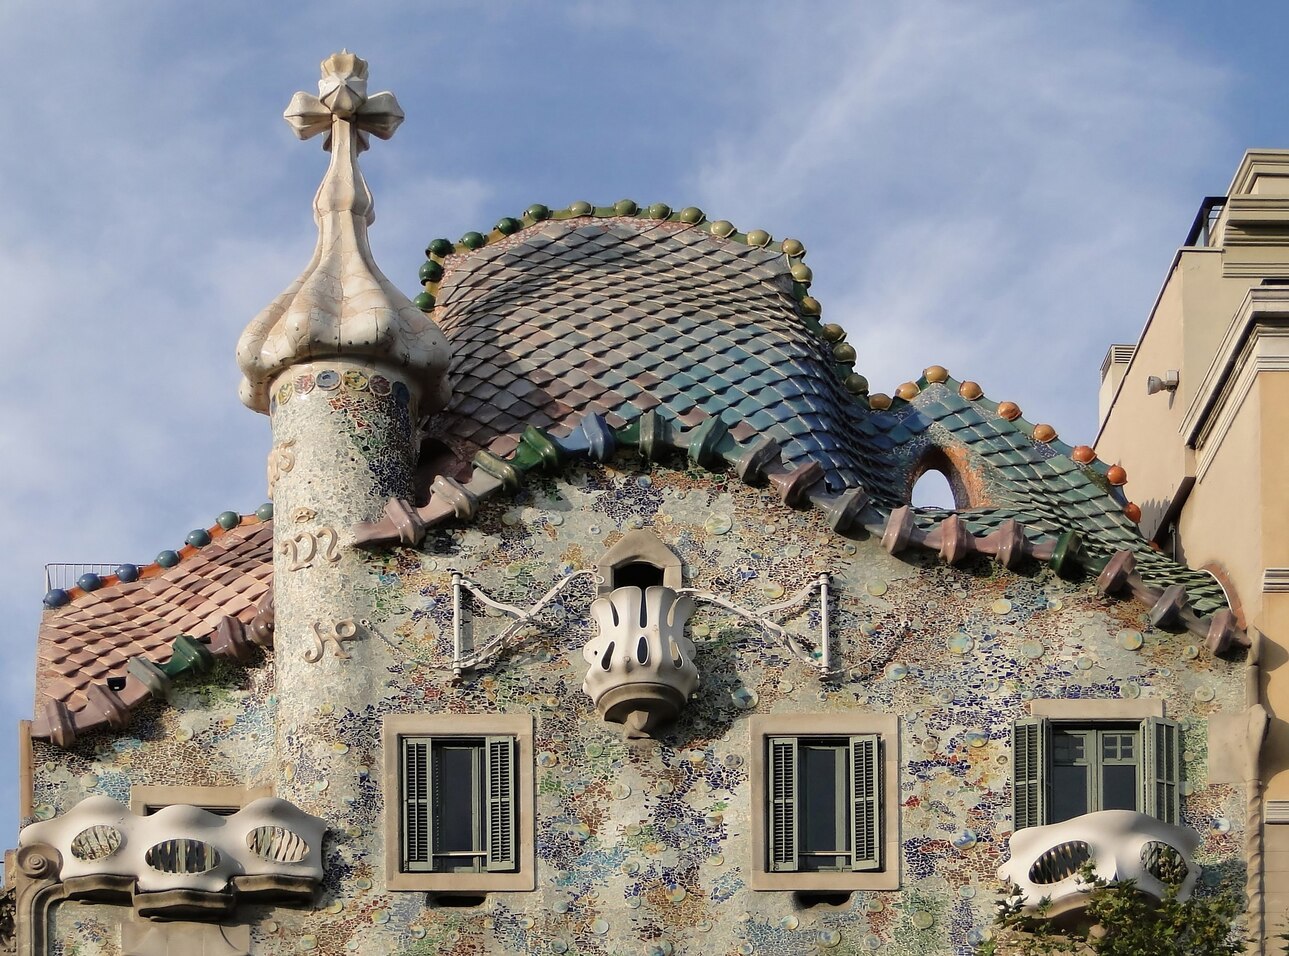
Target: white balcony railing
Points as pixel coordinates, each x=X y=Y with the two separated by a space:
x=1118 y=844
x=184 y=857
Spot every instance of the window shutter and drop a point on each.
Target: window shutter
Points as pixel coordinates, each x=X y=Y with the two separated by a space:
x=1030 y=738
x=416 y=804
x=783 y=804
x=866 y=803
x=499 y=790
x=1161 y=770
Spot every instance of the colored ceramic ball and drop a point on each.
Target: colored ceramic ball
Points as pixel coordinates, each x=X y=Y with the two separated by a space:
x=722 y=228
x=879 y=401
x=424 y=301
x=1044 y=433
x=198 y=538
x=970 y=391
x=580 y=208
x=56 y=597
x=228 y=520
x=440 y=248
x=1117 y=475
x=802 y=273
x=758 y=238
x=537 y=212
x=659 y=210
x=1133 y=512
x=810 y=305
x=908 y=391
x=691 y=215
x=430 y=271
x=168 y=559
x=844 y=352
x=935 y=373
x=625 y=207
x=89 y=581
x=856 y=384
x=833 y=332
x=1083 y=454
x=793 y=248
x=1009 y=411
x=127 y=573
x=509 y=226
x=265 y=511
x=473 y=240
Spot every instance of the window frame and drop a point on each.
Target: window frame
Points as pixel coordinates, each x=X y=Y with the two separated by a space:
x=884 y=730
x=1158 y=760
x=466 y=727
x=146 y=799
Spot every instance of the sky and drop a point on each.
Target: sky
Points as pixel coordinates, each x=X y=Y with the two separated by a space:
x=997 y=187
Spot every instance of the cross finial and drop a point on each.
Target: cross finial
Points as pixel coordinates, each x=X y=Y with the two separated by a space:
x=342 y=97
x=342 y=307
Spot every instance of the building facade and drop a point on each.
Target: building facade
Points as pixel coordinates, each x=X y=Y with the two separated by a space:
x=1195 y=411
x=590 y=615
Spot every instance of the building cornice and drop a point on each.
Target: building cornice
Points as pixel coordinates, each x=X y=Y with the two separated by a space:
x=1256 y=340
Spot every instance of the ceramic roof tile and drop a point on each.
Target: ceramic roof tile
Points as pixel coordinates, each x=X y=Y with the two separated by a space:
x=92 y=637
x=643 y=297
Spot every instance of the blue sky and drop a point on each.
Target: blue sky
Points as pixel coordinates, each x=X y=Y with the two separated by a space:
x=997 y=187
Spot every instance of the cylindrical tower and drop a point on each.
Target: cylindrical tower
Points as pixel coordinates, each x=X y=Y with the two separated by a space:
x=344 y=364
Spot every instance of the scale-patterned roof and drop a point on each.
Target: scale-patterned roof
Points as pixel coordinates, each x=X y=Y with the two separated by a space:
x=620 y=316
x=592 y=329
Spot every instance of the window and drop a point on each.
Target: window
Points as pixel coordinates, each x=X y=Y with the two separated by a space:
x=824 y=808
x=458 y=800
x=459 y=803
x=639 y=559
x=826 y=789
x=1065 y=768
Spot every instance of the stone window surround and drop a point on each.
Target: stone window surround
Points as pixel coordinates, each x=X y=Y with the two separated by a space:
x=143 y=796
x=887 y=727
x=519 y=726
x=1083 y=709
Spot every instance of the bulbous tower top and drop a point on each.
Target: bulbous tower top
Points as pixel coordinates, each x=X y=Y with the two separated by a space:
x=342 y=305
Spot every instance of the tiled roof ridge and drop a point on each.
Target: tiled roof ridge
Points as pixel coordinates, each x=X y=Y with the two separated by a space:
x=197 y=539
x=111 y=706
x=1110 y=477
x=710 y=445
x=833 y=336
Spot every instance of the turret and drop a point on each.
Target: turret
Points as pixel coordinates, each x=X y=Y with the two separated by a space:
x=345 y=366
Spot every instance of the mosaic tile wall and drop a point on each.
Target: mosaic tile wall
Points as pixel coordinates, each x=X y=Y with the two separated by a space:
x=646 y=848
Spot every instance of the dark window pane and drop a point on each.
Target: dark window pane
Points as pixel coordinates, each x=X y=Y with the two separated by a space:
x=821 y=829
x=1067 y=748
x=456 y=792
x=1069 y=793
x=1119 y=787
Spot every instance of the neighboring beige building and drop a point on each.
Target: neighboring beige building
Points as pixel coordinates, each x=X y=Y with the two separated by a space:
x=1196 y=413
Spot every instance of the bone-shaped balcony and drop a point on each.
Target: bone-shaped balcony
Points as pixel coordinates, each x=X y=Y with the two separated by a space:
x=641 y=664
x=1118 y=844
x=183 y=860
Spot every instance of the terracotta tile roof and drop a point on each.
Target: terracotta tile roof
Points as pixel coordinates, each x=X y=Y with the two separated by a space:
x=85 y=647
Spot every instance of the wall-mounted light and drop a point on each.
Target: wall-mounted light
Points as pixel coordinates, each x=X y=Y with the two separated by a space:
x=1155 y=384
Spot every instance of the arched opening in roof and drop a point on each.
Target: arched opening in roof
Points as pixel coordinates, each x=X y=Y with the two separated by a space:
x=932 y=490
x=938 y=482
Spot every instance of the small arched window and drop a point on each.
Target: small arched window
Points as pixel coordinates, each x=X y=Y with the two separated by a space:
x=641 y=560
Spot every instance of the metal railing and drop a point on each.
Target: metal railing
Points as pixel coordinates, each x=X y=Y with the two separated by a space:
x=1201 y=233
x=66 y=575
